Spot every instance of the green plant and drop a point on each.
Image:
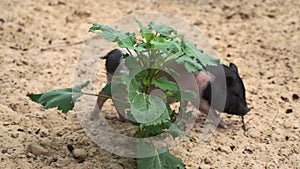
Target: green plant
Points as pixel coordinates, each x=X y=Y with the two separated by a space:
x=149 y=53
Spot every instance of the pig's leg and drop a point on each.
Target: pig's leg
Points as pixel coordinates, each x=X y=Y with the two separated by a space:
x=99 y=104
x=205 y=108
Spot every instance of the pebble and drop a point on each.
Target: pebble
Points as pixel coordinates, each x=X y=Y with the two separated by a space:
x=225 y=149
x=80 y=155
x=115 y=166
x=204 y=166
x=207 y=160
x=4 y=151
x=14 y=135
x=36 y=149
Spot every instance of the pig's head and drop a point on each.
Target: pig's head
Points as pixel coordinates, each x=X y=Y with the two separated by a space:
x=226 y=91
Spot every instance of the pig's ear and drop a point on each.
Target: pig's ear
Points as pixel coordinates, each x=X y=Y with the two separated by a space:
x=234 y=67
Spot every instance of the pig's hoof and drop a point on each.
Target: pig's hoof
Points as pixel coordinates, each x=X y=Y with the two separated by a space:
x=94 y=117
x=222 y=125
x=122 y=119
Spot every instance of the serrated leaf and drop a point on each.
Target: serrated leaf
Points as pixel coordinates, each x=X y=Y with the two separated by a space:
x=127 y=42
x=167 y=46
x=171 y=72
x=124 y=39
x=190 y=64
x=163 y=29
x=160 y=160
x=145 y=32
x=192 y=51
x=183 y=95
x=63 y=99
x=165 y=84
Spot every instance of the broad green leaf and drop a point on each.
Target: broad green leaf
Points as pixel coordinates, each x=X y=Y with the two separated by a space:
x=107 y=89
x=145 y=149
x=183 y=95
x=133 y=65
x=63 y=99
x=165 y=84
x=163 y=160
x=171 y=72
x=146 y=108
x=116 y=86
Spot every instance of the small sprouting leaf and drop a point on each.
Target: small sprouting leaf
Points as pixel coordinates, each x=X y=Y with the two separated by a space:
x=271 y=15
x=165 y=84
x=162 y=158
x=63 y=99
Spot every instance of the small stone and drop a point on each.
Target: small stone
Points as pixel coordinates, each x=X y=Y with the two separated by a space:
x=6 y=123
x=198 y=22
x=43 y=134
x=248 y=151
x=80 y=155
x=52 y=160
x=4 y=151
x=37 y=131
x=287 y=138
x=288 y=111
x=232 y=148
x=225 y=150
x=115 y=166
x=285 y=99
x=14 y=135
x=70 y=147
x=30 y=155
x=207 y=160
x=36 y=149
x=204 y=166
x=295 y=97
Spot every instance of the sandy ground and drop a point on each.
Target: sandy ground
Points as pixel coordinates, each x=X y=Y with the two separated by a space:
x=42 y=40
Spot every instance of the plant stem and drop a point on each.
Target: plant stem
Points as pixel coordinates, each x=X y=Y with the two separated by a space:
x=103 y=95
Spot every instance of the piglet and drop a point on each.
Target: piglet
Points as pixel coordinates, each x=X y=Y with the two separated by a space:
x=221 y=88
